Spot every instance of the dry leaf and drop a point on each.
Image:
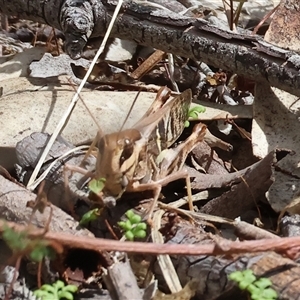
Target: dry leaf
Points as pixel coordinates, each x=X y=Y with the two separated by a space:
x=284 y=28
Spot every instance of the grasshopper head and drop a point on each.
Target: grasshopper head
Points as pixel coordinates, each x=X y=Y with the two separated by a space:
x=117 y=159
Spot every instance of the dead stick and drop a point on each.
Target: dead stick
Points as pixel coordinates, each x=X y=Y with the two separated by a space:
x=166 y=31
x=289 y=245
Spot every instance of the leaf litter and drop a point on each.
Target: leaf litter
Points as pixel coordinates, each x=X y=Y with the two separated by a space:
x=240 y=191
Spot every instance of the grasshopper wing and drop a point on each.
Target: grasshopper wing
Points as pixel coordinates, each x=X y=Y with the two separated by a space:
x=163 y=127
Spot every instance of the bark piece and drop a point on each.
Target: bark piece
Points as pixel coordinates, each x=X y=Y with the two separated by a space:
x=284 y=28
x=276 y=117
x=289 y=225
x=208 y=159
x=29 y=150
x=20 y=291
x=246 y=187
x=246 y=231
x=13 y=199
x=212 y=273
x=122 y=287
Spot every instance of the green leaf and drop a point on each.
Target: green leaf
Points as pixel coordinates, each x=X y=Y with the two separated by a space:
x=258 y=289
x=129 y=214
x=256 y=297
x=193 y=115
x=65 y=295
x=90 y=216
x=49 y=252
x=59 y=284
x=41 y=250
x=97 y=185
x=71 y=288
x=135 y=219
x=244 y=279
x=244 y=284
x=42 y=294
x=249 y=276
x=161 y=156
x=140 y=234
x=125 y=226
x=253 y=290
x=141 y=226
x=198 y=108
x=263 y=283
x=269 y=294
x=56 y=291
x=121 y=224
x=48 y=288
x=193 y=112
x=236 y=276
x=16 y=241
x=133 y=227
x=186 y=124
x=129 y=236
x=37 y=255
x=128 y=225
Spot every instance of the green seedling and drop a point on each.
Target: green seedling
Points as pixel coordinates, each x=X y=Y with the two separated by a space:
x=56 y=291
x=97 y=185
x=259 y=289
x=19 y=242
x=90 y=216
x=193 y=113
x=133 y=227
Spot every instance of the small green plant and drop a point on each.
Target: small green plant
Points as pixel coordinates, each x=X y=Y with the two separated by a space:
x=90 y=216
x=56 y=291
x=97 y=185
x=19 y=242
x=193 y=113
x=259 y=289
x=133 y=227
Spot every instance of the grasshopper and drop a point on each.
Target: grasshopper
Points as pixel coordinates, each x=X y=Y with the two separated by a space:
x=139 y=158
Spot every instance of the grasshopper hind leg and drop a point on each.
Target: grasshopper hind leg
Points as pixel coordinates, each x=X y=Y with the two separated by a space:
x=157 y=186
x=189 y=192
x=156 y=193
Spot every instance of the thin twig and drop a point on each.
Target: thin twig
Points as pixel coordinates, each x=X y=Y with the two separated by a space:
x=171 y=70
x=264 y=19
x=85 y=106
x=39 y=274
x=282 y=245
x=238 y=12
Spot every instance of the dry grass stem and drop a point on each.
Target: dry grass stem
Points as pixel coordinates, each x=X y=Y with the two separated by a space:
x=62 y=123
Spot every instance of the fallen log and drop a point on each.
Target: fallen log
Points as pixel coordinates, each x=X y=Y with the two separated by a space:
x=189 y=37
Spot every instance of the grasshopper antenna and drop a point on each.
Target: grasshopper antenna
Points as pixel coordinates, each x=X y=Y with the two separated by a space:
x=130 y=109
x=86 y=107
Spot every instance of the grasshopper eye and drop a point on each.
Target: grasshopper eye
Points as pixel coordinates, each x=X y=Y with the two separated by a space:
x=127 y=150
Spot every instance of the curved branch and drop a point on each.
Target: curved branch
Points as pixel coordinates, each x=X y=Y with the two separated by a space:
x=189 y=37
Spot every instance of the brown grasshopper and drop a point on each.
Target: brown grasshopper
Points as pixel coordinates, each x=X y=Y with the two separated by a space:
x=139 y=158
